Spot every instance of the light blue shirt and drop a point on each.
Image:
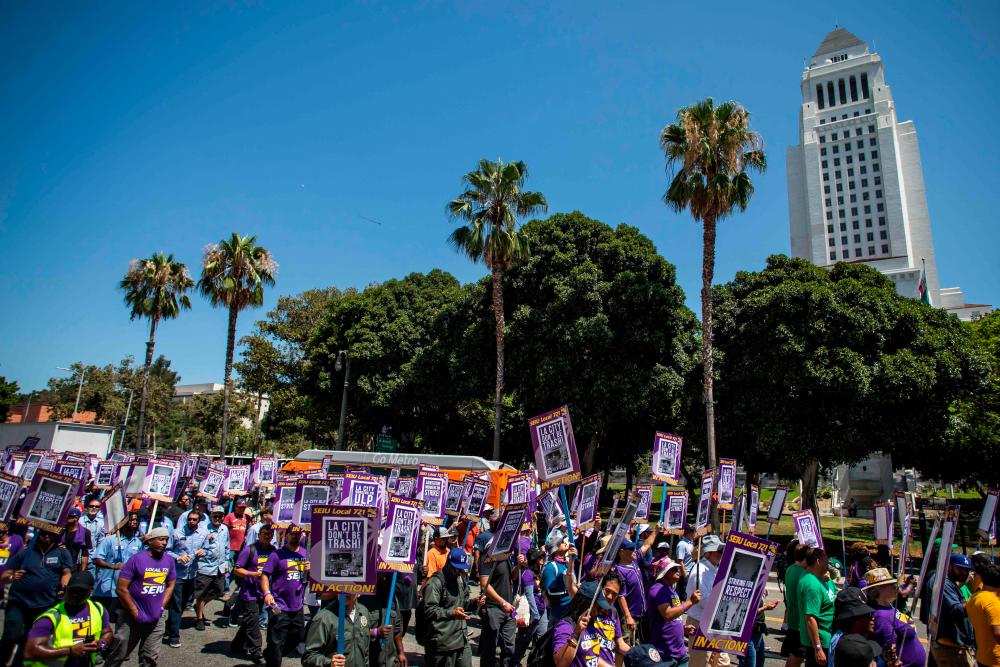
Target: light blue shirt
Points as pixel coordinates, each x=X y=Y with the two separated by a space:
x=215 y=543
x=183 y=544
x=96 y=528
x=182 y=520
x=253 y=532
x=107 y=580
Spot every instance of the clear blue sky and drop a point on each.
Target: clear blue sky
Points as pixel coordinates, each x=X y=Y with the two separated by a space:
x=127 y=128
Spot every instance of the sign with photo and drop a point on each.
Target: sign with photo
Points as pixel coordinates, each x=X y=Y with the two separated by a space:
x=361 y=489
x=478 y=489
x=237 y=481
x=645 y=492
x=265 y=471
x=585 y=502
x=211 y=486
x=115 y=510
x=106 y=474
x=406 y=487
x=666 y=465
x=453 y=499
x=731 y=607
x=704 y=502
x=986 y=517
x=943 y=556
x=308 y=494
x=14 y=464
x=882 y=513
x=752 y=508
x=161 y=480
x=201 y=467
x=504 y=542
x=10 y=491
x=677 y=508
x=284 y=503
x=432 y=488
x=806 y=529
x=398 y=552
x=118 y=456
x=727 y=483
x=621 y=531
x=31 y=463
x=188 y=465
x=393 y=479
x=777 y=504
x=50 y=498
x=518 y=489
x=555 y=448
x=343 y=554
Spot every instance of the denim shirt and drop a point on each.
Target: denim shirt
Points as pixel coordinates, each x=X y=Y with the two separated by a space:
x=106 y=580
x=96 y=528
x=163 y=522
x=183 y=544
x=215 y=543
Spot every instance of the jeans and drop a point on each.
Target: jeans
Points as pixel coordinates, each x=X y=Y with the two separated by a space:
x=499 y=629
x=17 y=620
x=183 y=592
x=285 y=631
x=129 y=633
x=755 y=651
x=526 y=635
x=247 y=640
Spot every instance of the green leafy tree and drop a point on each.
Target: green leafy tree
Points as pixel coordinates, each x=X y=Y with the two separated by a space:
x=712 y=151
x=155 y=289
x=193 y=426
x=822 y=367
x=234 y=274
x=492 y=203
x=9 y=392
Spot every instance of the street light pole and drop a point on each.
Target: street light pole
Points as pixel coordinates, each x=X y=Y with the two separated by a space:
x=343 y=361
x=79 y=389
x=128 y=409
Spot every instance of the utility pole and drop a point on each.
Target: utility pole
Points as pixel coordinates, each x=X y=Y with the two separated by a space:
x=343 y=361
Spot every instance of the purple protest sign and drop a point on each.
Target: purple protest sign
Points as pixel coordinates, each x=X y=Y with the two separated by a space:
x=666 y=465
x=361 y=490
x=211 y=487
x=10 y=490
x=284 y=503
x=806 y=529
x=677 y=507
x=49 y=500
x=727 y=483
x=504 y=541
x=161 y=480
x=704 y=502
x=731 y=607
x=453 y=499
x=201 y=467
x=987 y=515
x=308 y=494
x=555 y=448
x=398 y=552
x=777 y=504
x=474 y=497
x=752 y=508
x=882 y=513
x=585 y=502
x=265 y=471
x=518 y=489
x=237 y=481
x=406 y=487
x=106 y=473
x=432 y=488
x=115 y=509
x=343 y=556
x=645 y=492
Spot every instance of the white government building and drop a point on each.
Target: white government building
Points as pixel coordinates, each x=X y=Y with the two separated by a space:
x=855 y=181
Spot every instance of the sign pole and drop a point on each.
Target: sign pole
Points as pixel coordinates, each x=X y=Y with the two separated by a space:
x=565 y=504
x=341 y=615
x=663 y=504
x=843 y=543
x=388 y=606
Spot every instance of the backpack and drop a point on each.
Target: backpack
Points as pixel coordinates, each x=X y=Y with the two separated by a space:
x=541 y=654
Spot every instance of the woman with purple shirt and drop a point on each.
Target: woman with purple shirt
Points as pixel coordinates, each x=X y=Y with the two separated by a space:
x=666 y=628
x=531 y=586
x=632 y=600
x=590 y=636
x=892 y=627
x=283 y=582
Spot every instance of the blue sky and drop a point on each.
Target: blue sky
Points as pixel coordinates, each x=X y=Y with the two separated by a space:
x=127 y=128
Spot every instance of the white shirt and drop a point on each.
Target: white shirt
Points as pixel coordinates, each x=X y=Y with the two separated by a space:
x=701 y=579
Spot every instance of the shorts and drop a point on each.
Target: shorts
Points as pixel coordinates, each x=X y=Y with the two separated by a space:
x=791 y=645
x=209 y=585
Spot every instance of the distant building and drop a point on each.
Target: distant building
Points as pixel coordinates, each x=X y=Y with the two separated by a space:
x=855 y=180
x=40 y=413
x=186 y=392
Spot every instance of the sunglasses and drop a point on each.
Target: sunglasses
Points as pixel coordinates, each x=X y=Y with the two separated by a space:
x=93 y=507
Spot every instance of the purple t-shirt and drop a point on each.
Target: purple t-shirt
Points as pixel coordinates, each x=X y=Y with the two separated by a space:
x=597 y=640
x=529 y=578
x=14 y=544
x=250 y=586
x=285 y=569
x=82 y=631
x=666 y=636
x=148 y=578
x=633 y=588
x=891 y=626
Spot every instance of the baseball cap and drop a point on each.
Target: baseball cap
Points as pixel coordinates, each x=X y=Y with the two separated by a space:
x=881 y=576
x=643 y=655
x=662 y=566
x=241 y=503
x=74 y=513
x=855 y=649
x=487 y=507
x=444 y=532
x=81 y=581
x=851 y=602
x=217 y=509
x=156 y=532
x=589 y=590
x=961 y=560
x=663 y=545
x=643 y=527
x=711 y=543
x=627 y=544
x=458 y=559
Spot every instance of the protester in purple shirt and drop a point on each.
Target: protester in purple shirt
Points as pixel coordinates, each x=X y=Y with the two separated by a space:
x=666 y=626
x=632 y=601
x=249 y=568
x=583 y=640
x=283 y=583
x=892 y=627
x=145 y=584
x=531 y=587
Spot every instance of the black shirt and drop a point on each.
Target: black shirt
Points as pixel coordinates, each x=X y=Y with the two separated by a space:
x=500 y=574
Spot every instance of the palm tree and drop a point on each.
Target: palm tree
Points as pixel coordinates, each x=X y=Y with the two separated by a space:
x=233 y=275
x=492 y=203
x=712 y=149
x=155 y=289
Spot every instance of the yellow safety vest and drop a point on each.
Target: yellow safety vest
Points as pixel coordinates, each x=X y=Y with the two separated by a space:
x=67 y=635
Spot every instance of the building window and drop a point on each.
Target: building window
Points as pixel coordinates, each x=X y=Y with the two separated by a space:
x=840 y=214
x=875 y=167
x=864 y=86
x=833 y=137
x=850 y=185
x=871 y=250
x=857 y=252
x=850 y=159
x=822 y=121
x=840 y=187
x=864 y=196
x=884 y=235
x=826 y=176
x=854 y=210
x=867 y=110
x=840 y=201
x=874 y=155
x=870 y=236
x=878 y=194
x=864 y=169
x=826 y=189
x=843 y=226
x=827 y=202
x=836 y=174
x=829 y=215
x=823 y=164
x=864 y=184
x=854 y=198
x=829 y=228
x=836 y=162
x=868 y=223
x=836 y=149
x=833 y=254
x=846 y=254
x=829 y=94
x=872 y=142
x=880 y=207
x=843 y=240
x=878 y=180
x=854 y=89
x=868 y=209
x=822 y=151
x=885 y=249
x=850 y=172
x=855 y=224
x=856 y=113
x=881 y=221
x=871 y=129
x=832 y=243
x=842 y=89
x=860 y=143
x=819 y=96
x=861 y=157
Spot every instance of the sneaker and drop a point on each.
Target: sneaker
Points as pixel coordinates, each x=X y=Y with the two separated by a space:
x=257 y=659
x=233 y=624
x=175 y=643
x=200 y=625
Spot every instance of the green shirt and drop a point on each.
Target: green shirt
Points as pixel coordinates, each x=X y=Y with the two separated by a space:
x=816 y=599
x=792 y=576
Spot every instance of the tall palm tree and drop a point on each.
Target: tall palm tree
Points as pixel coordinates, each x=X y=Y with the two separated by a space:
x=233 y=275
x=155 y=289
x=711 y=149
x=492 y=203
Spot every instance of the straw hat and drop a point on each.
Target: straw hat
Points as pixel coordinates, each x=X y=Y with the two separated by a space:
x=878 y=576
x=602 y=544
